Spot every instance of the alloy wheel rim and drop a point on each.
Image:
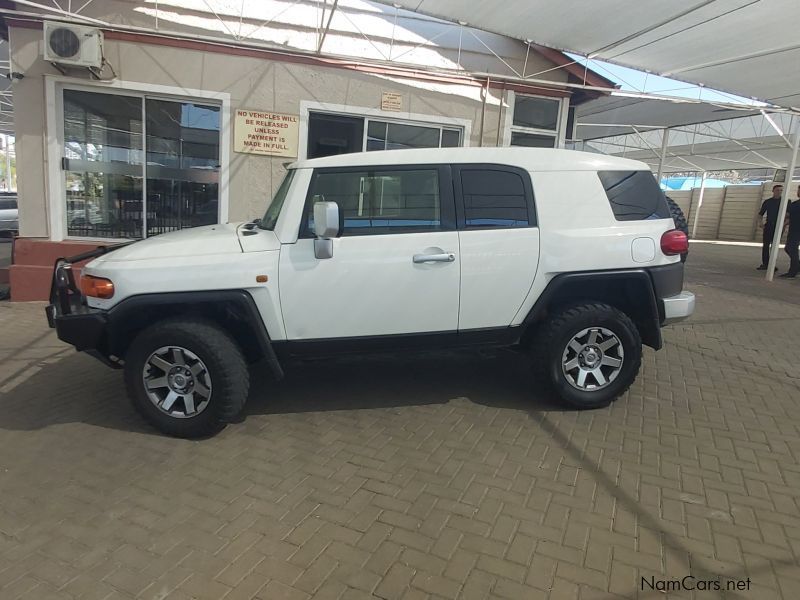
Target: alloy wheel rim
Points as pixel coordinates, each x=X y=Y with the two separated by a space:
x=177 y=382
x=592 y=359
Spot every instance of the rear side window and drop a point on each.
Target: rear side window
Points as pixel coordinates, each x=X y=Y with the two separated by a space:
x=494 y=198
x=634 y=195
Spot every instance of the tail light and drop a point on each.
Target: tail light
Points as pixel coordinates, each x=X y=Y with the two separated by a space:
x=674 y=242
x=97 y=287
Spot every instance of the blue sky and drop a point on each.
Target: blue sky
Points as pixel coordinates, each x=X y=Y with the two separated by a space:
x=639 y=81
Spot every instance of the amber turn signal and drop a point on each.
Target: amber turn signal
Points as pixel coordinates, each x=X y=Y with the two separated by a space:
x=97 y=287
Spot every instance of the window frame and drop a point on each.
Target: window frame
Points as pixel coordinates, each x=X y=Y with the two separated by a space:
x=54 y=115
x=366 y=112
x=558 y=134
x=447 y=204
x=530 y=199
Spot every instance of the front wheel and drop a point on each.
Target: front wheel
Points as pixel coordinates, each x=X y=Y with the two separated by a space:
x=589 y=354
x=186 y=377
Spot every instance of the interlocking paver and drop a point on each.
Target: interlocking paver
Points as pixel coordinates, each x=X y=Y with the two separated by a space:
x=460 y=481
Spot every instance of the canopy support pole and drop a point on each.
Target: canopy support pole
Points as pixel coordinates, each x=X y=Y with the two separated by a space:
x=664 y=145
x=8 y=162
x=699 y=204
x=776 y=239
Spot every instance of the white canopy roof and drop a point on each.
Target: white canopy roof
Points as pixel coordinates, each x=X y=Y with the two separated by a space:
x=745 y=47
x=694 y=143
x=613 y=115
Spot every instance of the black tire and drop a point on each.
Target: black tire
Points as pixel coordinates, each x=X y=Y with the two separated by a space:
x=225 y=370
x=550 y=342
x=681 y=224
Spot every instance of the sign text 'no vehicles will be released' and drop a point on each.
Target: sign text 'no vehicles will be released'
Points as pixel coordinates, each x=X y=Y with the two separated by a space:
x=267 y=133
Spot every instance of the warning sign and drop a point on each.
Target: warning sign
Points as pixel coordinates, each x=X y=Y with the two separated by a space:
x=391 y=101
x=267 y=133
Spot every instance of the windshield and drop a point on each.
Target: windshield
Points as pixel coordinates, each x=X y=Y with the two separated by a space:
x=274 y=209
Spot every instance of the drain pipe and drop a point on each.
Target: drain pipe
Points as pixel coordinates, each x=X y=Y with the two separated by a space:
x=500 y=114
x=483 y=108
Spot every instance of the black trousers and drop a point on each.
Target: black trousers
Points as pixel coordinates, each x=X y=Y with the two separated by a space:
x=768 y=233
x=792 y=249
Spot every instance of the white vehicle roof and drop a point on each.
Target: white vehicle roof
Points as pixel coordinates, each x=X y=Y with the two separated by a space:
x=532 y=159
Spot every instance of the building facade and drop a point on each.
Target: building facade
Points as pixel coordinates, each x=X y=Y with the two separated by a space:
x=186 y=125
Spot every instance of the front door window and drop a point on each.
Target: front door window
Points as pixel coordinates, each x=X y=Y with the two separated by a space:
x=136 y=166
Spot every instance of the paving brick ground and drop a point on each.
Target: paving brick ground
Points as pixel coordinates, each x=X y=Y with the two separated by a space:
x=425 y=477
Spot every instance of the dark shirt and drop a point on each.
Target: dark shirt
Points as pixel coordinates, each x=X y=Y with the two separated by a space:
x=793 y=211
x=771 y=207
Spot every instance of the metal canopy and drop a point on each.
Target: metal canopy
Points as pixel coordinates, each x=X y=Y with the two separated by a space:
x=613 y=115
x=695 y=140
x=745 y=47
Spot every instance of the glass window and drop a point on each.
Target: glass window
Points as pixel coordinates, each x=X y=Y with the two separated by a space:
x=112 y=190
x=451 y=138
x=536 y=113
x=634 y=195
x=383 y=135
x=334 y=134
x=182 y=165
x=532 y=140
x=8 y=204
x=380 y=202
x=376 y=135
x=330 y=134
x=103 y=164
x=494 y=198
x=274 y=210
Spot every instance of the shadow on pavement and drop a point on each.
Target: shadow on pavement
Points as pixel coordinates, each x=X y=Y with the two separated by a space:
x=77 y=389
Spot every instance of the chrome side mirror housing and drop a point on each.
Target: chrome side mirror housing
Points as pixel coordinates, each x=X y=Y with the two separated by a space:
x=326 y=227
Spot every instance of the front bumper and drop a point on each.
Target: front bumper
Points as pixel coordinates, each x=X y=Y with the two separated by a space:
x=74 y=321
x=678 y=307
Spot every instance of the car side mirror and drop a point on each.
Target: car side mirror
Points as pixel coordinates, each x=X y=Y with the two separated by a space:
x=326 y=227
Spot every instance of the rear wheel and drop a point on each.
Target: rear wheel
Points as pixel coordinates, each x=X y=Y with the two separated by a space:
x=589 y=354
x=186 y=377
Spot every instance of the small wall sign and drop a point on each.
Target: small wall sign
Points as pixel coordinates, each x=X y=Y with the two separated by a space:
x=392 y=101
x=266 y=133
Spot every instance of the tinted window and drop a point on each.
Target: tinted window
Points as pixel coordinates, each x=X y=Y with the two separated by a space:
x=634 y=195
x=8 y=204
x=538 y=113
x=380 y=202
x=532 y=140
x=494 y=198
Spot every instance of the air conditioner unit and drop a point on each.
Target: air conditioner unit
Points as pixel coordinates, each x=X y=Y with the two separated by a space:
x=73 y=45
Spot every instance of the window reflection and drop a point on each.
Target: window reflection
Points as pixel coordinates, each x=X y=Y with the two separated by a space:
x=111 y=192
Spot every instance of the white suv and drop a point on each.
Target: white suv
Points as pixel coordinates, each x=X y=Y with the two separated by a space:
x=571 y=257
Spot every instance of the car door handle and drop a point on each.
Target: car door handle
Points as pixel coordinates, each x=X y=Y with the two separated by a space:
x=443 y=257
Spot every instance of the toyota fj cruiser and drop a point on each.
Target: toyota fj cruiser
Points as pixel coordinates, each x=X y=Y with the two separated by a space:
x=571 y=257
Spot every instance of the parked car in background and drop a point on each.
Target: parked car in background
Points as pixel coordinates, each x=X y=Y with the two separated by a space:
x=9 y=218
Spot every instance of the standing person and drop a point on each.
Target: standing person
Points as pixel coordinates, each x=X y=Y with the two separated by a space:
x=793 y=238
x=770 y=207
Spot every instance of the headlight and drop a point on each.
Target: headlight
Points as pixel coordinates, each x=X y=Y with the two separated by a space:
x=97 y=287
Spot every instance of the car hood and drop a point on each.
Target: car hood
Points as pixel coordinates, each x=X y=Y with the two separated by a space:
x=197 y=241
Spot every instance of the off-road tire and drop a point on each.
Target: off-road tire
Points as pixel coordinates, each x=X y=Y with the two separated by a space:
x=681 y=223
x=227 y=370
x=552 y=337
